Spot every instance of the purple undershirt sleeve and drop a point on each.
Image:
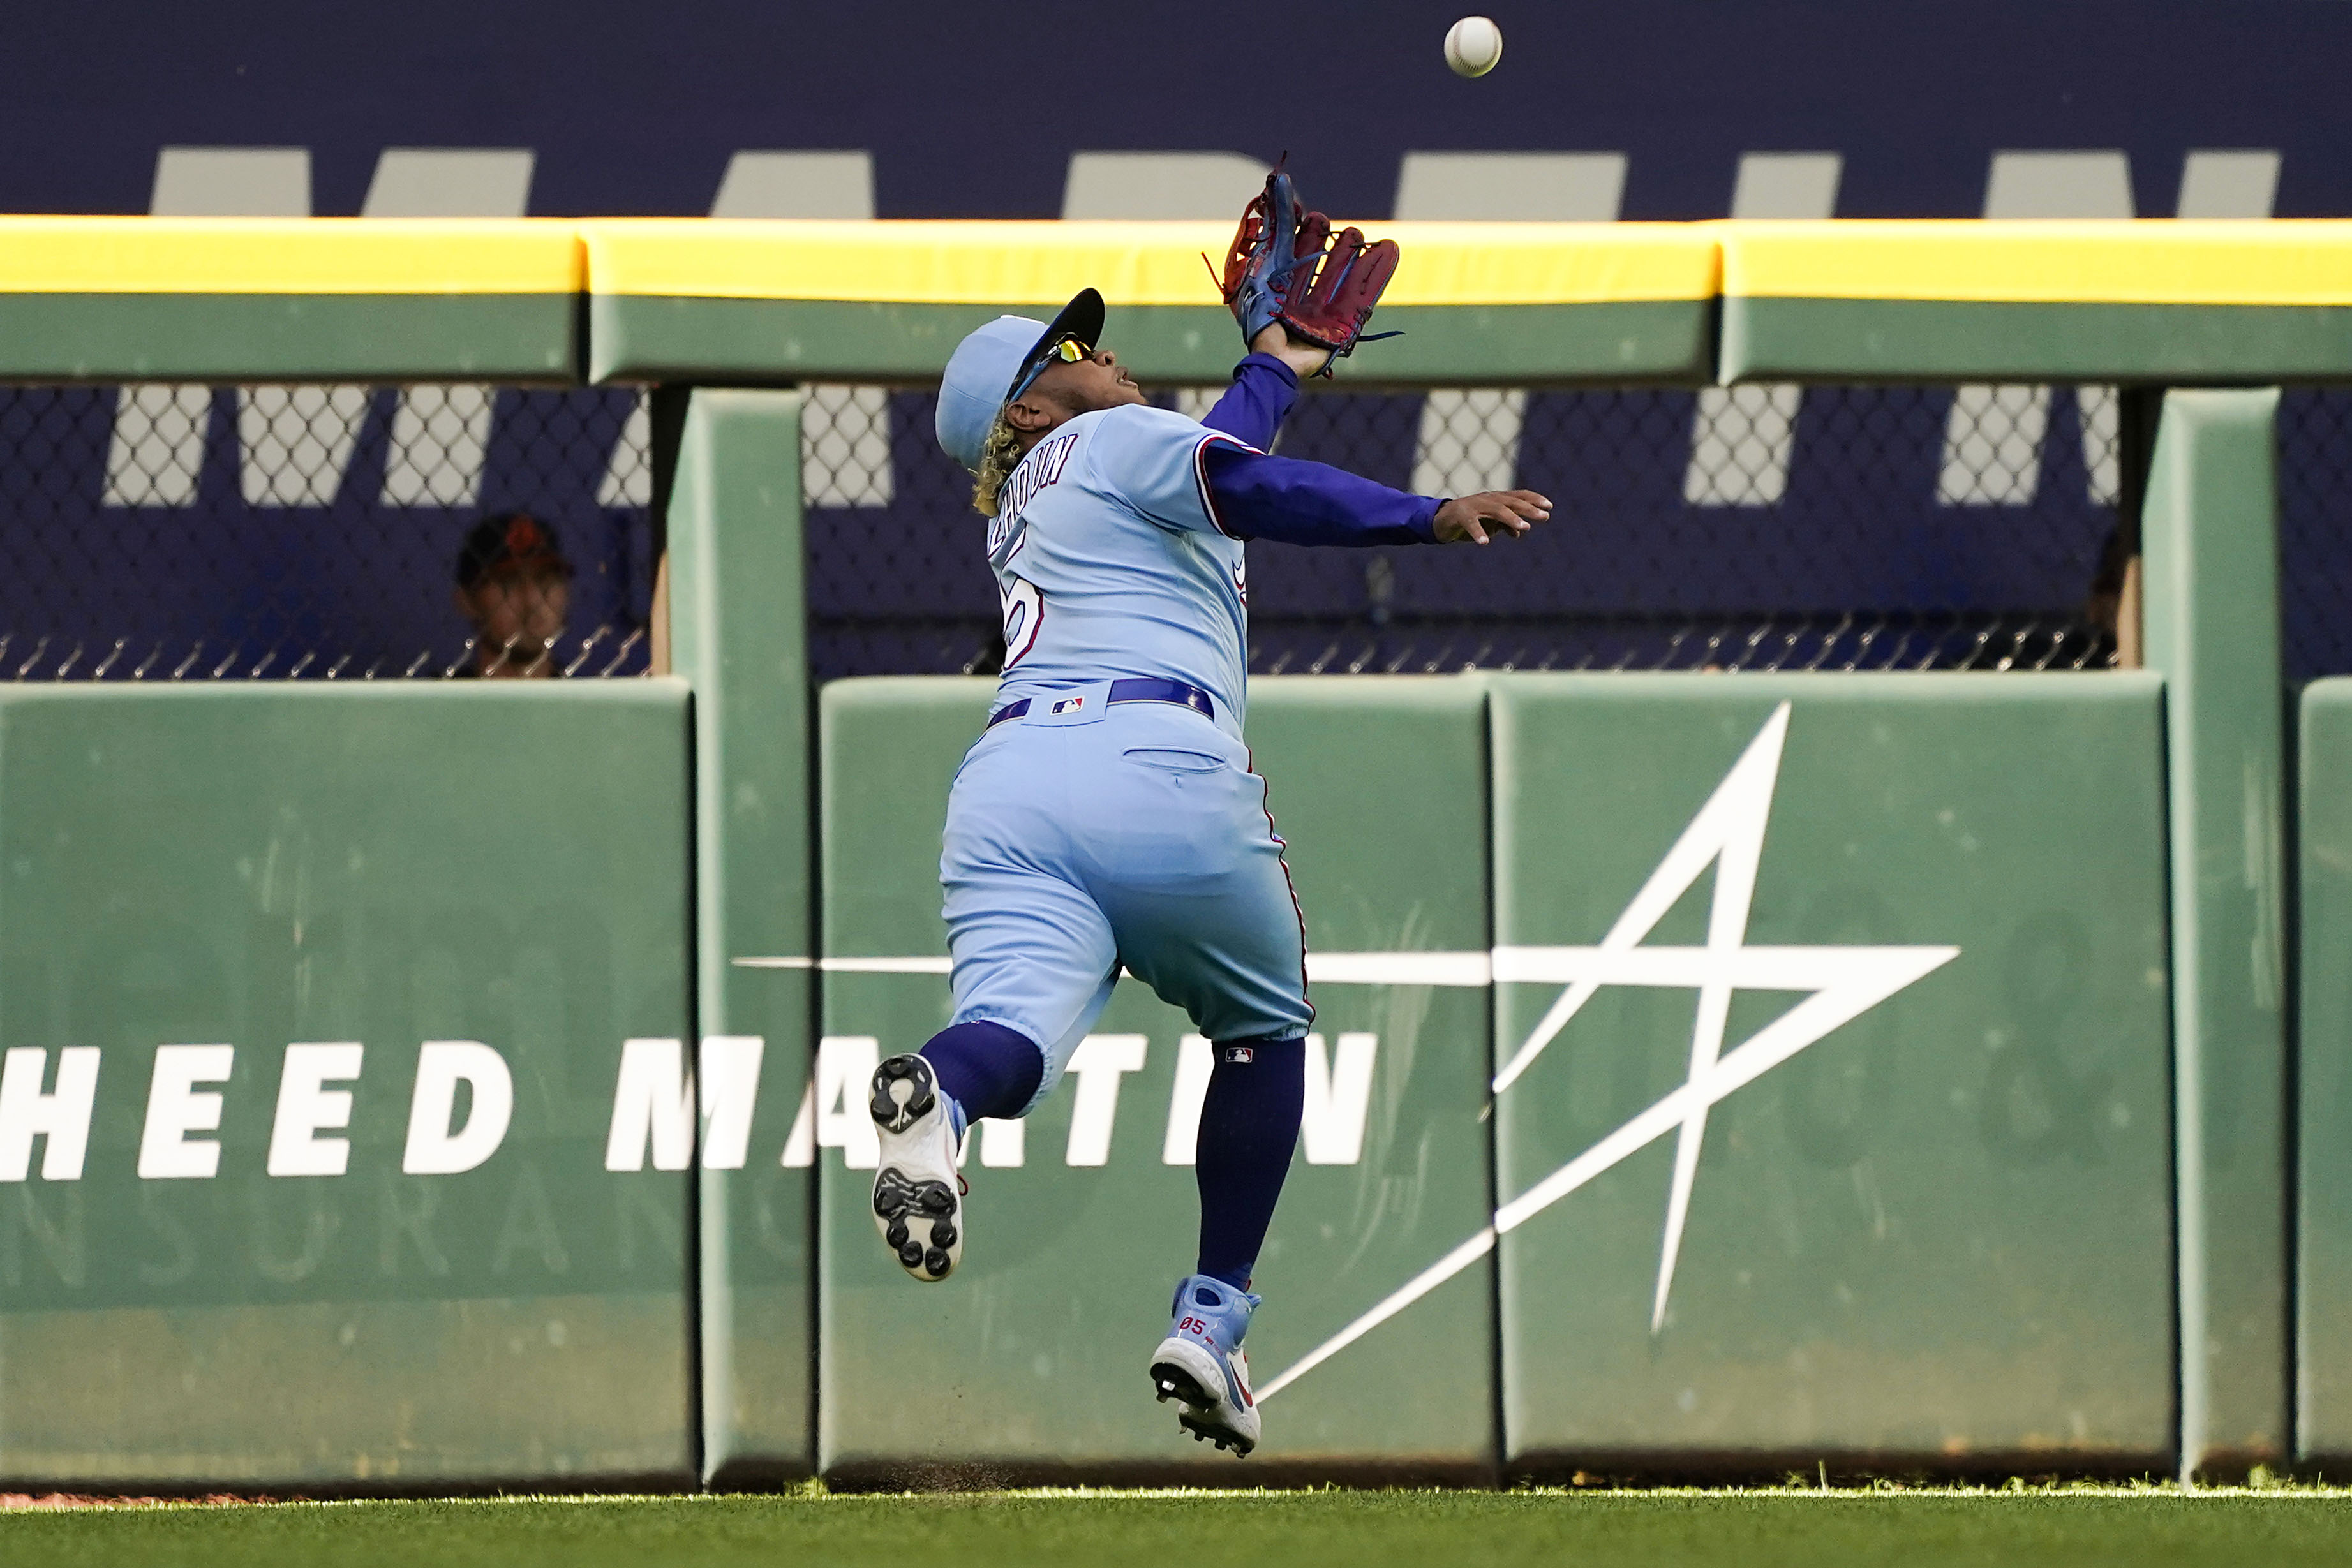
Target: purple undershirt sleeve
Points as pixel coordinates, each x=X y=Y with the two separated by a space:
x=1260 y=497
x=1252 y=409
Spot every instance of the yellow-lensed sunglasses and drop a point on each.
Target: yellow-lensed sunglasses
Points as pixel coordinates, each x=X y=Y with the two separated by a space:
x=1066 y=350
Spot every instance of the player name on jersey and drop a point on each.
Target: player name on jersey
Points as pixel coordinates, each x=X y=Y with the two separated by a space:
x=1040 y=469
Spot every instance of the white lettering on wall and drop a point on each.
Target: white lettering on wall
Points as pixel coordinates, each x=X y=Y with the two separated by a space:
x=1337 y=1095
x=1194 y=1062
x=727 y=1078
x=832 y=1113
x=307 y=1107
x=800 y=1148
x=845 y=1076
x=652 y=1103
x=175 y=1109
x=1100 y=1061
x=1003 y=1143
x=434 y=1147
x=62 y=1116
x=667 y=1109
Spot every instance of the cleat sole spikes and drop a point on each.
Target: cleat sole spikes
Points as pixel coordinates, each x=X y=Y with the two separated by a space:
x=1173 y=1382
x=1225 y=1442
x=902 y=1092
x=918 y=1193
x=918 y=1219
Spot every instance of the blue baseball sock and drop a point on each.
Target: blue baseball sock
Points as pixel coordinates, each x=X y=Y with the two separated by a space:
x=1249 y=1125
x=986 y=1069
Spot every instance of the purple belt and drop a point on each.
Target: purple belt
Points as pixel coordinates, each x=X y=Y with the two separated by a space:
x=1136 y=689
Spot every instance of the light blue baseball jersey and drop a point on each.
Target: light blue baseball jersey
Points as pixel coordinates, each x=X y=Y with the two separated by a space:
x=1110 y=562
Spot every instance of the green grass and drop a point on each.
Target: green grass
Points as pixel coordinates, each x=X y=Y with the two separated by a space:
x=1219 y=1530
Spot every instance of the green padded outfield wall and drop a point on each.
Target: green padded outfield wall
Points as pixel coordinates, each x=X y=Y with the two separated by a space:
x=2035 y=299
x=2210 y=534
x=735 y=608
x=762 y=301
x=2324 y=1207
x=1030 y=1361
x=279 y=299
x=210 y=877
x=1906 y=933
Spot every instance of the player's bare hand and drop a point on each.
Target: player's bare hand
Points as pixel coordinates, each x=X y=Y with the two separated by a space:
x=1490 y=515
x=1305 y=359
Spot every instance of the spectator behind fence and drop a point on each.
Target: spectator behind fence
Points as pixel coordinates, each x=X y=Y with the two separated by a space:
x=515 y=586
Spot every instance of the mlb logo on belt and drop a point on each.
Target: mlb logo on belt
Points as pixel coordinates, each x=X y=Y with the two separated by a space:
x=1068 y=705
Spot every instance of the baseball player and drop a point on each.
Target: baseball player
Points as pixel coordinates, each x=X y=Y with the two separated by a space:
x=1107 y=817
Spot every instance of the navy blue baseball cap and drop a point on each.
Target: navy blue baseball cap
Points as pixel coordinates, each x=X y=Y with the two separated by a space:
x=513 y=542
x=996 y=363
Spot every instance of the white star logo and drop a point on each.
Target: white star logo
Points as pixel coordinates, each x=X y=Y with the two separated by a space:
x=1843 y=982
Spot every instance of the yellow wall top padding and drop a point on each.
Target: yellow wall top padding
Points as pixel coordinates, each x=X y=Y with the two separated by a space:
x=290 y=256
x=2156 y=261
x=1039 y=264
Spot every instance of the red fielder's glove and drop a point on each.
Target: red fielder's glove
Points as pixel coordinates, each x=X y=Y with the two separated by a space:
x=1283 y=265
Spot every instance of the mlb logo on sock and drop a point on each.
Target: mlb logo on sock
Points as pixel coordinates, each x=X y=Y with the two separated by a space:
x=1240 y=1053
x=1068 y=705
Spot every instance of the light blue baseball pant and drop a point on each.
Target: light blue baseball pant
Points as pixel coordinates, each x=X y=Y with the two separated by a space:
x=1131 y=835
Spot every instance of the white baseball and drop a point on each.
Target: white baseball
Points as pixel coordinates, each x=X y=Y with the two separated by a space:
x=1473 y=46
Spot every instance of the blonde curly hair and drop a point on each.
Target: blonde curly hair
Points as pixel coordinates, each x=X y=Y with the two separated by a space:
x=1000 y=454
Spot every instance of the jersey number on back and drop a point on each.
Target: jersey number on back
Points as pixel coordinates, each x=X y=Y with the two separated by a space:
x=1024 y=613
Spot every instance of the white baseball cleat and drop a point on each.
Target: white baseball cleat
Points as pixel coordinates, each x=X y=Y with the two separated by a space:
x=917 y=1195
x=1200 y=1364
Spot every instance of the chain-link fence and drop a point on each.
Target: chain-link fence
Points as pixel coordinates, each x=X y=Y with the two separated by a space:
x=1749 y=528
x=2315 y=533
x=183 y=532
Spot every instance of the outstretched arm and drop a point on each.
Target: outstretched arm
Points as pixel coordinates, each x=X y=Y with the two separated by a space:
x=1258 y=496
x=1253 y=408
x=1264 y=386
